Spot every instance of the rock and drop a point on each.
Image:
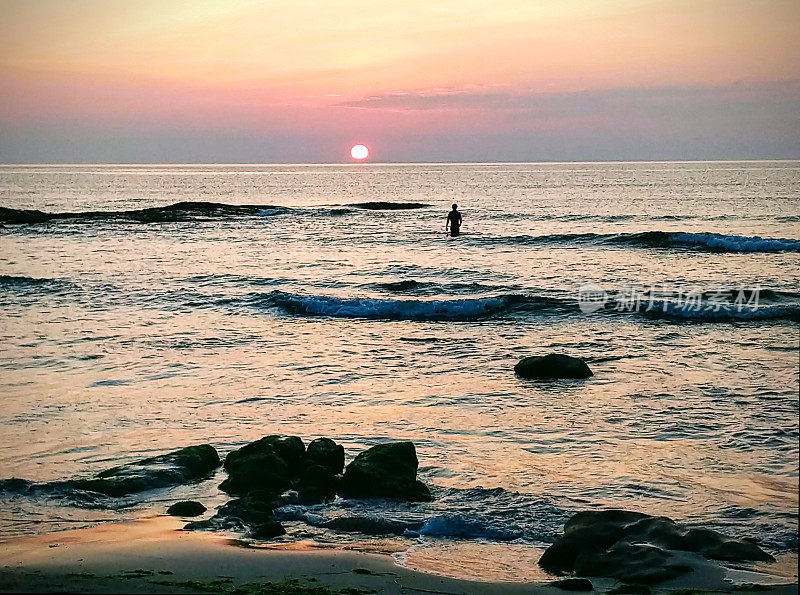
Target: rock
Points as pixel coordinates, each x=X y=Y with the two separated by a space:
x=635 y=547
x=629 y=589
x=257 y=467
x=368 y=525
x=288 y=448
x=586 y=530
x=385 y=471
x=317 y=484
x=325 y=452
x=267 y=530
x=174 y=468
x=553 y=365
x=253 y=509
x=631 y=563
x=573 y=584
x=186 y=508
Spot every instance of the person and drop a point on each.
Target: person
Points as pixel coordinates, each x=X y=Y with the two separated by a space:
x=453 y=221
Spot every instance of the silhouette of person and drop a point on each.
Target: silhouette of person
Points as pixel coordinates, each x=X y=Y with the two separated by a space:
x=453 y=221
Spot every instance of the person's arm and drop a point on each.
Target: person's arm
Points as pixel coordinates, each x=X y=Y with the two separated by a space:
x=447 y=222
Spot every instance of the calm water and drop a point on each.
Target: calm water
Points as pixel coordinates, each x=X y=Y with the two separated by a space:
x=128 y=335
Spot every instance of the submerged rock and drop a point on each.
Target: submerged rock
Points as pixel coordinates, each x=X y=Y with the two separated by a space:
x=554 y=365
x=174 y=468
x=368 y=525
x=635 y=547
x=385 y=471
x=186 y=508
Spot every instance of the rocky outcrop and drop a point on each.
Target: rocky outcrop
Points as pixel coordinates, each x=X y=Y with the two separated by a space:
x=552 y=366
x=175 y=468
x=385 y=471
x=638 y=548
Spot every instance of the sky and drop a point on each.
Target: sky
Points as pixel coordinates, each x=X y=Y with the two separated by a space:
x=300 y=81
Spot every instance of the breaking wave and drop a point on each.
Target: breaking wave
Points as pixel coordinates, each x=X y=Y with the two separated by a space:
x=180 y=211
x=452 y=309
x=707 y=242
x=773 y=305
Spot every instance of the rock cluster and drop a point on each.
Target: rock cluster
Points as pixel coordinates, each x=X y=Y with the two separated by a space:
x=638 y=548
x=261 y=472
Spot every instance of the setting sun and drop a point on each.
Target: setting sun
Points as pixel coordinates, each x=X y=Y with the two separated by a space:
x=359 y=152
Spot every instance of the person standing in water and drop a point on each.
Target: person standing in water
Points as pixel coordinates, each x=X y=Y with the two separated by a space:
x=453 y=221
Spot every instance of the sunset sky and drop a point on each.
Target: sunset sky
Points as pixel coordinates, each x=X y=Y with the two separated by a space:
x=414 y=80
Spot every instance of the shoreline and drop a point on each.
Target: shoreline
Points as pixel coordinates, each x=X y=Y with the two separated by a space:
x=154 y=555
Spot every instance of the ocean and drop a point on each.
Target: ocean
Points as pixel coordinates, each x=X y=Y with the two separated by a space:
x=150 y=307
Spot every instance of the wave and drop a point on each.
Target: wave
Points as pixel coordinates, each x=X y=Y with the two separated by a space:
x=180 y=211
x=674 y=310
x=23 y=281
x=774 y=305
x=466 y=527
x=388 y=206
x=705 y=241
x=452 y=309
x=715 y=242
x=413 y=286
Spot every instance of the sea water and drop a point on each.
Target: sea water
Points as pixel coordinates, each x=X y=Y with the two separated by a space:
x=146 y=308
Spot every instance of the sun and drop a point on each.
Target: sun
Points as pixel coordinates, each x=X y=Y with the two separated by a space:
x=359 y=152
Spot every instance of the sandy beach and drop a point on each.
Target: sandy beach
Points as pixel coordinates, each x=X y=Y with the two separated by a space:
x=153 y=555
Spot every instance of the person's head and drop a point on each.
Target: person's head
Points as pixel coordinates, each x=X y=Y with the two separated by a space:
x=455 y=206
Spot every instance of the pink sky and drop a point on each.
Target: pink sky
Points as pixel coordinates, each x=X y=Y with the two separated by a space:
x=415 y=80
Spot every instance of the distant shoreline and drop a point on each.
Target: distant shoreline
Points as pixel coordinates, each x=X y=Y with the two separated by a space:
x=394 y=163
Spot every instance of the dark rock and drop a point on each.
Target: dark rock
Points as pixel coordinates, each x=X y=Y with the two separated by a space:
x=368 y=525
x=174 y=468
x=253 y=509
x=573 y=584
x=629 y=589
x=634 y=547
x=267 y=530
x=204 y=525
x=186 y=508
x=256 y=467
x=385 y=471
x=553 y=365
x=593 y=530
x=317 y=484
x=288 y=448
x=325 y=452
x=631 y=563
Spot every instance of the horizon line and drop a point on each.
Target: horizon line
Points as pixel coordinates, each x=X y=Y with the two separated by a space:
x=392 y=163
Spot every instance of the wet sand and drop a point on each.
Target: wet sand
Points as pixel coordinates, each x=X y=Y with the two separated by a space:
x=152 y=555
